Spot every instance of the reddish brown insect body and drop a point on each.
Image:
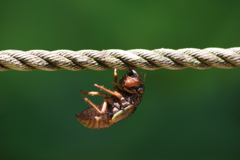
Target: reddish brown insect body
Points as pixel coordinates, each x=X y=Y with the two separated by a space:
x=117 y=105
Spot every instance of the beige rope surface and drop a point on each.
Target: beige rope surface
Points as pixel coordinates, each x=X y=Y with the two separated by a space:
x=120 y=59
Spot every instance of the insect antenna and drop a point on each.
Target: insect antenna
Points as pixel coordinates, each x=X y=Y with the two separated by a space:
x=144 y=78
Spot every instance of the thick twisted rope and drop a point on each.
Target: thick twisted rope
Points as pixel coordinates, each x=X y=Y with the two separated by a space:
x=120 y=59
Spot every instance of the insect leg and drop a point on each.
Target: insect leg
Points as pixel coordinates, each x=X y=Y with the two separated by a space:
x=104 y=106
x=129 y=91
x=115 y=93
x=115 y=76
x=93 y=93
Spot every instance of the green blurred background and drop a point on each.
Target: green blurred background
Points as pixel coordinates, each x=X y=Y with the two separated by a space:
x=185 y=114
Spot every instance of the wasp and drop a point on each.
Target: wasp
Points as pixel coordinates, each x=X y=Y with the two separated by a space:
x=117 y=105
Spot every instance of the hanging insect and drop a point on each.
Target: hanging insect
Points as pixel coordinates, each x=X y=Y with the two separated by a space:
x=117 y=105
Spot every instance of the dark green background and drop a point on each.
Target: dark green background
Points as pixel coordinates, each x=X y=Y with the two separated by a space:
x=185 y=114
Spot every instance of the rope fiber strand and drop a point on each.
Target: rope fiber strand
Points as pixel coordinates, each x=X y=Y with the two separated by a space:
x=120 y=59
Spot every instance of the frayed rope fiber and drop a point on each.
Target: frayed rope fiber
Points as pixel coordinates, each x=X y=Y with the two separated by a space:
x=120 y=59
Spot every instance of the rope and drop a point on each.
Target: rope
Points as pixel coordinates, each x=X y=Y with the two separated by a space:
x=120 y=59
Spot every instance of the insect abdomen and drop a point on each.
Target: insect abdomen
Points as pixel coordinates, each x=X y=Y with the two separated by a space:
x=94 y=120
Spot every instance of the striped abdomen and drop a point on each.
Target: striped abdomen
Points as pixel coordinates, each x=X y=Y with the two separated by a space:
x=92 y=119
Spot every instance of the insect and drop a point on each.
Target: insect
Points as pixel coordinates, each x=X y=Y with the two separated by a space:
x=117 y=104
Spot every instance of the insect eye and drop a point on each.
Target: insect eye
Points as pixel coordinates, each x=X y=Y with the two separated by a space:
x=140 y=90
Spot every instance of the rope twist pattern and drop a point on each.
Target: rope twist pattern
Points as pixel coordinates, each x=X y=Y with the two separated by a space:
x=120 y=59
